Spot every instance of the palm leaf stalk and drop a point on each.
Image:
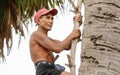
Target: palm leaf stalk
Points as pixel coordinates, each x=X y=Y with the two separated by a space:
x=71 y=57
x=15 y=14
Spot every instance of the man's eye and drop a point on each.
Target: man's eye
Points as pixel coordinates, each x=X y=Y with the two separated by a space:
x=48 y=17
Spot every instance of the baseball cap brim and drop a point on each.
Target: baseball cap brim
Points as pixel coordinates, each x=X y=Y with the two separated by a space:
x=53 y=12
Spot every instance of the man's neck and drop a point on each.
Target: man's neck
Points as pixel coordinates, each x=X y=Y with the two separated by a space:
x=42 y=30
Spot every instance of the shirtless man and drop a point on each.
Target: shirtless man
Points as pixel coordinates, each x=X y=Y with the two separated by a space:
x=42 y=47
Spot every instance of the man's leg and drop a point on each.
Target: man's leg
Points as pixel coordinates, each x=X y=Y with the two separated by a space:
x=66 y=73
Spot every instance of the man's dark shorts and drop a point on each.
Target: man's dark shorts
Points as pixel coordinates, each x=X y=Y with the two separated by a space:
x=47 y=69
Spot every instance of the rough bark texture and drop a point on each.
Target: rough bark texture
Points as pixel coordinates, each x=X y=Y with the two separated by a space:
x=101 y=38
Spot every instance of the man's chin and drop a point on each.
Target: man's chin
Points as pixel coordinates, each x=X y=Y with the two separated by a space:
x=49 y=29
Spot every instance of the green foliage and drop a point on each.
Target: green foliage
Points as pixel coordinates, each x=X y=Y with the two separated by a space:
x=1 y=14
x=16 y=13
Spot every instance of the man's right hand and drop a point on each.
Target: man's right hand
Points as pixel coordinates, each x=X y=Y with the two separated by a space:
x=76 y=34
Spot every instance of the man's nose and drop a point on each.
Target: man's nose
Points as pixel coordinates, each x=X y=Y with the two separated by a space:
x=51 y=20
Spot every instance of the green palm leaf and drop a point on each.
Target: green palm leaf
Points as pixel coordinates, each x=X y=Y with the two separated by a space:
x=15 y=14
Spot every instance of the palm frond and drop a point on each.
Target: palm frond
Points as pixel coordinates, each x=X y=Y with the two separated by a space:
x=15 y=14
x=1 y=14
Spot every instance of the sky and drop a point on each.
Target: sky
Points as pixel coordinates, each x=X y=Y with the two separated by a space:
x=19 y=61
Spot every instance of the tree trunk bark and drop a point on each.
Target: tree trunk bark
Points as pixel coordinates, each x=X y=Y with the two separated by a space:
x=101 y=38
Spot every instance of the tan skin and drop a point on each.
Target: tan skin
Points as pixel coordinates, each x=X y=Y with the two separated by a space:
x=42 y=47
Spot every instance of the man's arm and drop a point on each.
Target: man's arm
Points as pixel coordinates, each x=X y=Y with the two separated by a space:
x=47 y=43
x=57 y=41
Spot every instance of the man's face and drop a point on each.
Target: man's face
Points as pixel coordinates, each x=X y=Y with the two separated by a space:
x=46 y=21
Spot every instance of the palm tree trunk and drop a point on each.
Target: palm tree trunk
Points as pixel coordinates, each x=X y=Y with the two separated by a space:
x=101 y=38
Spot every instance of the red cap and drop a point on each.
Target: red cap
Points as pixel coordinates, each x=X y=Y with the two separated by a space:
x=42 y=12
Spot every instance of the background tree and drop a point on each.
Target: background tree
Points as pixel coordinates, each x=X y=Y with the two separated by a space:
x=101 y=38
x=15 y=14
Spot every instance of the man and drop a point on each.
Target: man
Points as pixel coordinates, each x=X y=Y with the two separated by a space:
x=42 y=46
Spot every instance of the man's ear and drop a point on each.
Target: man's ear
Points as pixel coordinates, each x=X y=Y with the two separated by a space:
x=39 y=21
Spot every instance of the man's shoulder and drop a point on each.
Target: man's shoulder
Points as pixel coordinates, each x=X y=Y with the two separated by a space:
x=35 y=33
x=38 y=35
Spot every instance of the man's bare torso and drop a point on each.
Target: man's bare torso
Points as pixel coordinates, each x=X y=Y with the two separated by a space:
x=39 y=53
